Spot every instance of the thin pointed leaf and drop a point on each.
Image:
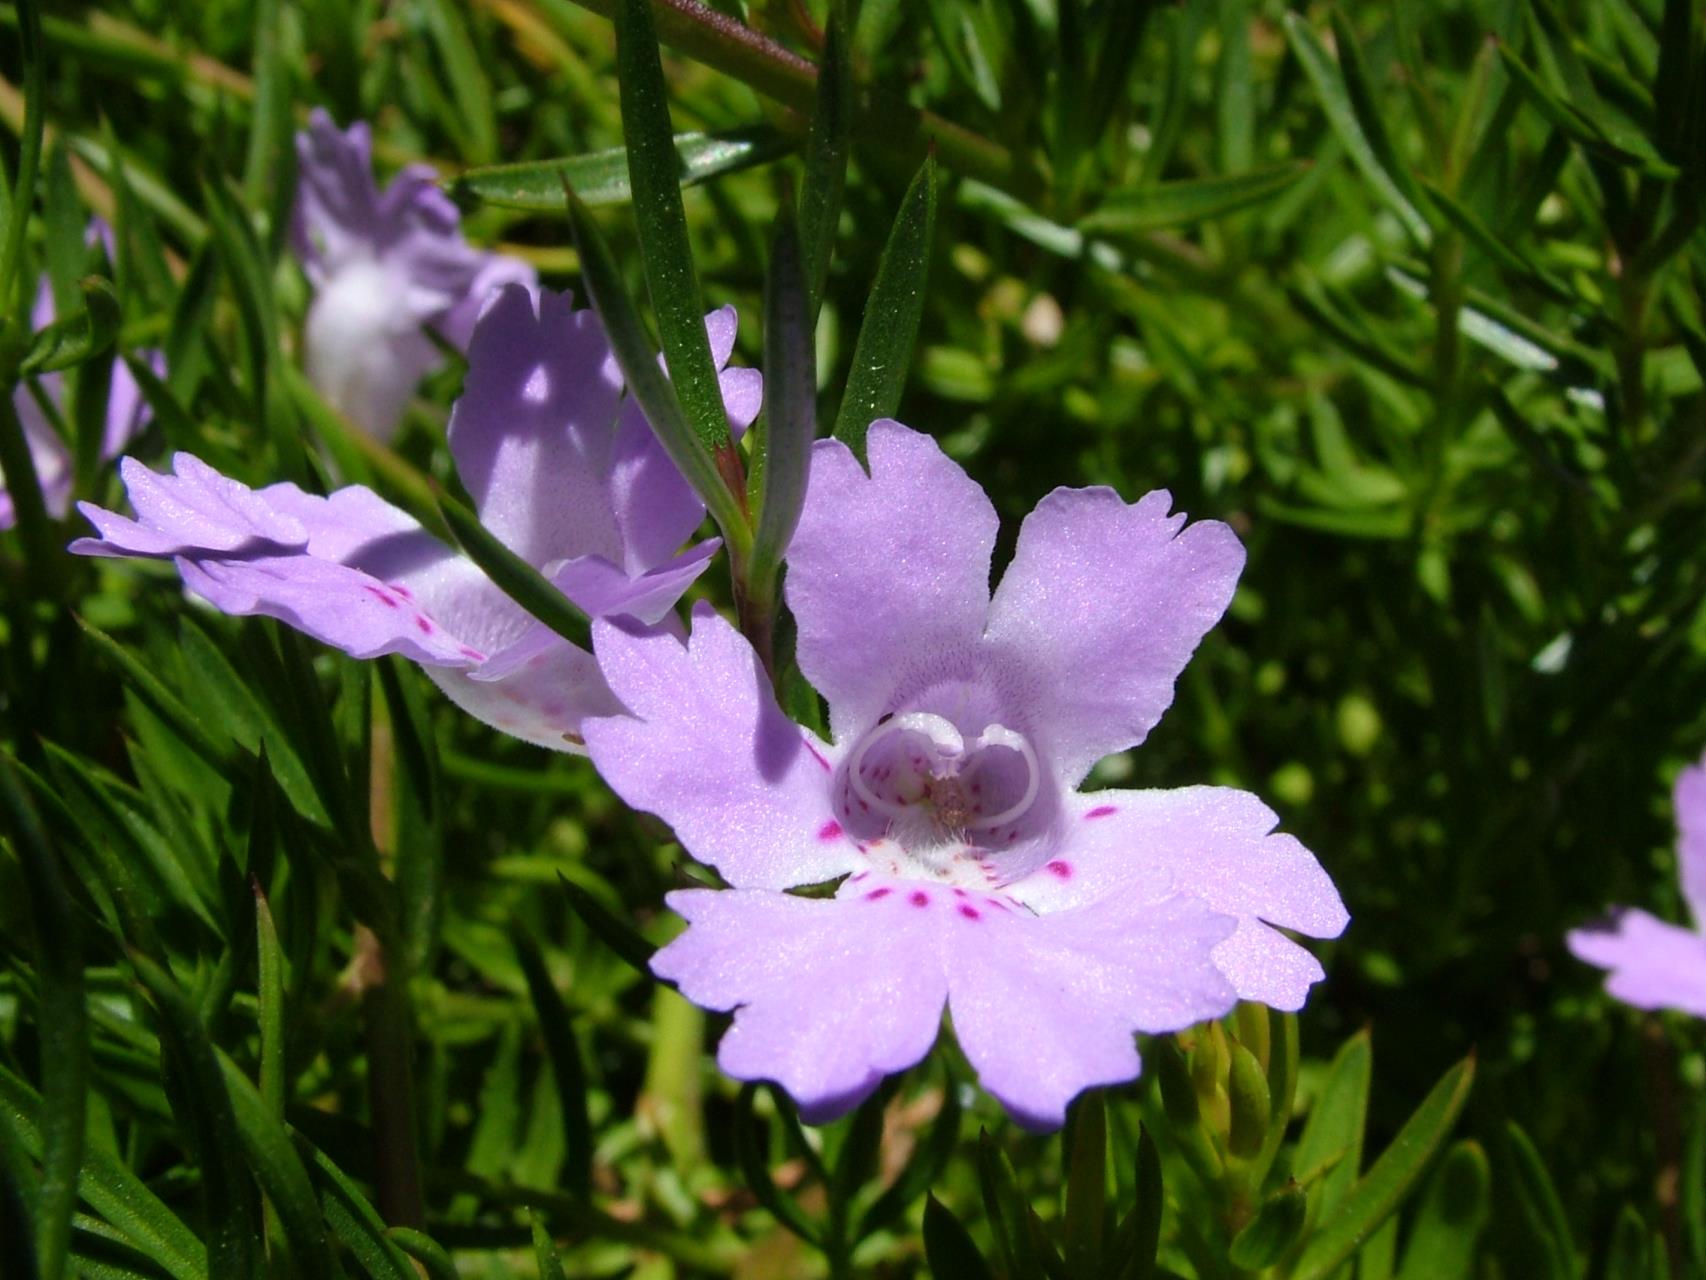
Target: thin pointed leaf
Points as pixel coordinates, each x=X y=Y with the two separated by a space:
x=826 y=158
x=1453 y=1212
x=601 y=177
x=790 y=405
x=1390 y=1179
x=921 y=1171
x=63 y=1028
x=545 y=1252
x=517 y=579
x=566 y=1067
x=1270 y=1235
x=68 y=343
x=665 y=251
x=433 y=1257
x=948 y=1246
x=616 y=934
x=750 y=1152
x=1188 y=201
x=1086 y=1210
x=883 y=354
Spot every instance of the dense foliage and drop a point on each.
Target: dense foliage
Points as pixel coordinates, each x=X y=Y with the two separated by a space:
x=291 y=950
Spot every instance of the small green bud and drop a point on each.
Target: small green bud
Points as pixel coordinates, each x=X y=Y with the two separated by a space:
x=1247 y=1089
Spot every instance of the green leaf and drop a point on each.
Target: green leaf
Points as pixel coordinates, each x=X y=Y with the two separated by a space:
x=545 y=1252
x=601 y=177
x=883 y=353
x=1008 y=1211
x=418 y=839
x=1348 y=111
x=1251 y=1106
x=1542 y=1210
x=566 y=1066
x=1452 y=1214
x=1188 y=201
x=17 y=213
x=1270 y=1235
x=1390 y=1179
x=948 y=1246
x=963 y=43
x=203 y=1106
x=354 y=1221
x=1085 y=1213
x=475 y=118
x=651 y=389
x=1139 y=1237
x=432 y=1256
x=826 y=158
x=1330 y=1148
x=618 y=935
x=63 y=1028
x=67 y=343
x=665 y=251
x=921 y=1172
x=1183 y=25
x=1581 y=128
x=783 y=448
x=269 y=998
x=517 y=579
x=750 y=1153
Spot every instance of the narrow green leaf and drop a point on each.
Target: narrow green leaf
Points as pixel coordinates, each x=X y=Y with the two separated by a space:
x=1581 y=128
x=1086 y=1210
x=545 y=1252
x=948 y=1246
x=789 y=424
x=1390 y=1179
x=566 y=1067
x=962 y=43
x=648 y=384
x=517 y=579
x=417 y=844
x=826 y=158
x=67 y=343
x=269 y=997
x=750 y=1152
x=601 y=177
x=17 y=1190
x=921 y=1172
x=1452 y=1214
x=203 y=1106
x=470 y=87
x=269 y=168
x=618 y=935
x=1008 y=1211
x=1188 y=201
x=883 y=353
x=1542 y=1209
x=1330 y=1148
x=41 y=547
x=1183 y=27
x=1343 y=114
x=29 y=154
x=1235 y=82
x=354 y=1221
x=665 y=251
x=1270 y=1235
x=63 y=1028
x=1139 y=1237
x=1497 y=249
x=1251 y=1106
x=432 y=1256
x=272 y=1154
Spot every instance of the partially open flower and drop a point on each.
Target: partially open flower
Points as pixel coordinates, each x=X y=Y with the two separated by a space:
x=126 y=412
x=1655 y=965
x=561 y=467
x=384 y=266
x=1052 y=923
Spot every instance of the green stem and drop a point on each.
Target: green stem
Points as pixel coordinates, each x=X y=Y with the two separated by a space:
x=1447 y=291
x=1636 y=298
x=29 y=152
x=390 y=1080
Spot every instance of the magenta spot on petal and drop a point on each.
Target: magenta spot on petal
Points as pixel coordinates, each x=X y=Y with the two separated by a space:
x=920 y=899
x=383 y=597
x=969 y=912
x=1061 y=869
x=959 y=893
x=857 y=878
x=423 y=624
x=818 y=756
x=1101 y=811
x=401 y=590
x=830 y=830
x=469 y=652
x=874 y=894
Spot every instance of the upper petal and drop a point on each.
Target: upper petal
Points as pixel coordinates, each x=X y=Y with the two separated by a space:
x=1046 y=1006
x=1099 y=611
x=708 y=750
x=532 y=430
x=1216 y=844
x=1653 y=965
x=829 y=994
x=888 y=573
x=1690 y=800
x=192 y=511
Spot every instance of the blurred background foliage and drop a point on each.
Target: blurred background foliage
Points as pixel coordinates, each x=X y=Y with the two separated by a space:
x=1406 y=293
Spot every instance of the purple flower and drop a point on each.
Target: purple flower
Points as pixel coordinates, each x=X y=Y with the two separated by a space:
x=1655 y=965
x=127 y=412
x=383 y=265
x=1052 y=923
x=560 y=466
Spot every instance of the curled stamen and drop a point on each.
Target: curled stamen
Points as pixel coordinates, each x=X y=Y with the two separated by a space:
x=998 y=735
x=947 y=740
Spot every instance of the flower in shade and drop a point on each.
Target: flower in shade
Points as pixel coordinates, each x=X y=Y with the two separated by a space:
x=384 y=266
x=562 y=468
x=1655 y=965
x=126 y=413
x=1052 y=923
